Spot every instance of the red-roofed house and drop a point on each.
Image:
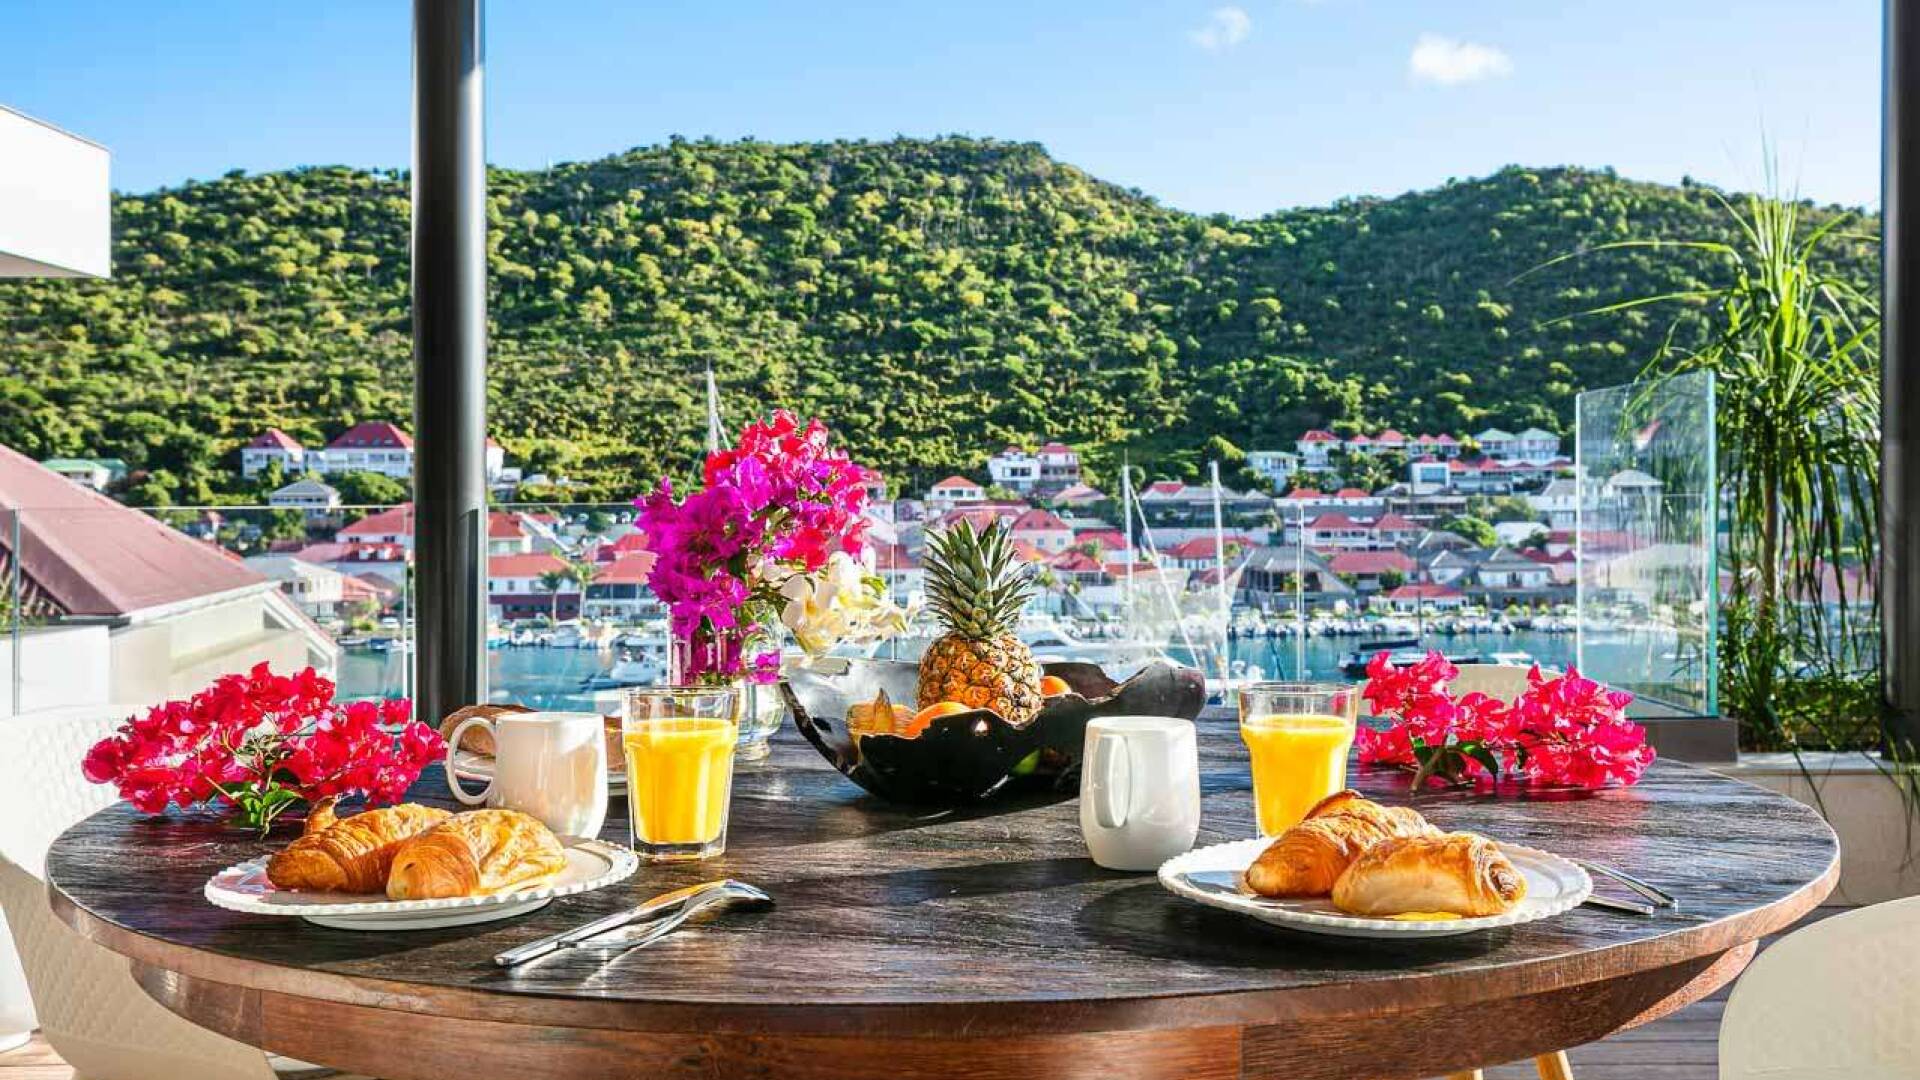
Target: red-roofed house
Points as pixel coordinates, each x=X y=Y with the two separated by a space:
x=1201 y=552
x=1077 y=567
x=1364 y=568
x=376 y=446
x=393 y=525
x=619 y=588
x=1026 y=552
x=507 y=534
x=1425 y=596
x=1104 y=541
x=1390 y=440
x=629 y=544
x=955 y=491
x=1391 y=530
x=1079 y=495
x=1314 y=449
x=1044 y=530
x=516 y=590
x=1337 y=530
x=128 y=611
x=270 y=446
x=1360 y=444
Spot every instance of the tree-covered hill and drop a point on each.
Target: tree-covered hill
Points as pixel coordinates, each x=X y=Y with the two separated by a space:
x=931 y=299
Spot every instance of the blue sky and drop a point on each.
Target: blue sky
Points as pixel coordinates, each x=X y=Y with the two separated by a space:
x=1242 y=107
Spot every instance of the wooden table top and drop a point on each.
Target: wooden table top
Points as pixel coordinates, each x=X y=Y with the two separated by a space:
x=911 y=920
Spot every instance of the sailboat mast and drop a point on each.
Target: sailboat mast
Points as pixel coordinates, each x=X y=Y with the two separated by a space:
x=716 y=431
x=1126 y=514
x=1220 y=561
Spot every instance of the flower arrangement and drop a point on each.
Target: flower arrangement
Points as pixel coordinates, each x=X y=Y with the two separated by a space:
x=775 y=535
x=262 y=743
x=1568 y=731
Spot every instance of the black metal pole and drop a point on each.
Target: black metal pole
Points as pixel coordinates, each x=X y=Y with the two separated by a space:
x=1900 y=372
x=449 y=354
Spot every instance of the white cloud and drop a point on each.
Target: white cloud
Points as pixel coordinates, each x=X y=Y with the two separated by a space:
x=1449 y=62
x=1225 y=27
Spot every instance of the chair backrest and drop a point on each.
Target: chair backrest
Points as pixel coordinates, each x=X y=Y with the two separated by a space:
x=1503 y=681
x=42 y=792
x=1839 y=998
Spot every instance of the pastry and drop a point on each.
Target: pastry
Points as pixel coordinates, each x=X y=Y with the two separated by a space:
x=1307 y=859
x=479 y=737
x=476 y=854
x=349 y=855
x=1450 y=874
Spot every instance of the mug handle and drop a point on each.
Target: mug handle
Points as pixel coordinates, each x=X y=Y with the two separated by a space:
x=453 y=746
x=1111 y=762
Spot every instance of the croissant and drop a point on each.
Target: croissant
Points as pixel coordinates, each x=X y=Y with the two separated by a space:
x=476 y=854
x=1457 y=873
x=1307 y=859
x=349 y=855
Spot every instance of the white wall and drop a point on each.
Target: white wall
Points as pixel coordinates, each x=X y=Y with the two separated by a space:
x=55 y=220
x=60 y=667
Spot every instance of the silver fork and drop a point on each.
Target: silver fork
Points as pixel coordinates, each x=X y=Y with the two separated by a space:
x=731 y=892
x=1659 y=896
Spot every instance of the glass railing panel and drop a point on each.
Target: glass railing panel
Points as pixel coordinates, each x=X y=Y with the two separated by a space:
x=571 y=621
x=1647 y=537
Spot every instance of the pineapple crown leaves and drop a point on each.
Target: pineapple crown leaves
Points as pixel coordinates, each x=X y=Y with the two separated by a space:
x=975 y=584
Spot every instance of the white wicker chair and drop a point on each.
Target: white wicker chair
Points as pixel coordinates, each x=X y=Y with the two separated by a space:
x=1838 y=999
x=90 y=1010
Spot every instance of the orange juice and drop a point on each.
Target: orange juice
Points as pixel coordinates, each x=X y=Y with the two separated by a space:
x=1298 y=759
x=679 y=774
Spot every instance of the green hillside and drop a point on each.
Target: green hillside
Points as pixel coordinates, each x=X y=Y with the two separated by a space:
x=930 y=299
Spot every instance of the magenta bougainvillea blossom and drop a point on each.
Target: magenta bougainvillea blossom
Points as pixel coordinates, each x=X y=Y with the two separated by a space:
x=782 y=503
x=1567 y=731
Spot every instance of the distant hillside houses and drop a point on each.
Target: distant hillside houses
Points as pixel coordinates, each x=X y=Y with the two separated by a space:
x=375 y=446
x=1053 y=467
x=1320 y=450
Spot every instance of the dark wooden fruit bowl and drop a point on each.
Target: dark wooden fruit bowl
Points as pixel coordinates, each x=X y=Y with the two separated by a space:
x=973 y=756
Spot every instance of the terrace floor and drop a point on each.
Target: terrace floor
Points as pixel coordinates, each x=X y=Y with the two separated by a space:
x=1684 y=1046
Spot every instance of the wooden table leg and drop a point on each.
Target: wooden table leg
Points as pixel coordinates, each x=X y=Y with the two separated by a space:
x=1553 y=1066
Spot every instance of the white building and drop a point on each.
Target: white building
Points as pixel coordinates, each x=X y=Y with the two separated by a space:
x=310 y=496
x=954 y=491
x=94 y=474
x=377 y=446
x=1276 y=466
x=1014 y=469
x=1315 y=449
x=1537 y=445
x=1496 y=443
x=316 y=590
x=268 y=447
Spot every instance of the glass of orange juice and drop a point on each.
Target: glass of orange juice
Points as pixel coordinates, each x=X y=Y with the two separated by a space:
x=679 y=744
x=1298 y=735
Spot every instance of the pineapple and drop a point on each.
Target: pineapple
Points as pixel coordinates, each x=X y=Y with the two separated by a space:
x=976 y=591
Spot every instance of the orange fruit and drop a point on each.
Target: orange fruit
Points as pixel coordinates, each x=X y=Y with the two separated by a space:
x=1053 y=684
x=931 y=713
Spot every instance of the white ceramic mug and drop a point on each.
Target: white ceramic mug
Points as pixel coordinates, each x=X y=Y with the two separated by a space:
x=1139 y=790
x=552 y=765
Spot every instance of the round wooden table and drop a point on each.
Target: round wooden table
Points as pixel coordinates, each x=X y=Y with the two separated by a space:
x=911 y=943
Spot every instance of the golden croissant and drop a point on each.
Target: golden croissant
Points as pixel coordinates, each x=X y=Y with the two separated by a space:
x=476 y=854
x=349 y=855
x=1307 y=859
x=1457 y=873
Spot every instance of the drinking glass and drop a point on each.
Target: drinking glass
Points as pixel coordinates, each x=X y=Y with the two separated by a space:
x=678 y=742
x=1298 y=735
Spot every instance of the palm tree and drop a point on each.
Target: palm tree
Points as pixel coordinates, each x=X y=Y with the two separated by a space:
x=1794 y=352
x=551 y=581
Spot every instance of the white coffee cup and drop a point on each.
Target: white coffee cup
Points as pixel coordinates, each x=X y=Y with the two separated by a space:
x=551 y=765
x=1139 y=790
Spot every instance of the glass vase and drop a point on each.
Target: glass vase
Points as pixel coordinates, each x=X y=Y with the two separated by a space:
x=706 y=657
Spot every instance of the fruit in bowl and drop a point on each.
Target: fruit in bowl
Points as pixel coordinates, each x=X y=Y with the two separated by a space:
x=950 y=754
x=976 y=587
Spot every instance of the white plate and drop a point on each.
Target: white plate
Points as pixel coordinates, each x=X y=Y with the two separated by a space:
x=590 y=865
x=478 y=768
x=1212 y=876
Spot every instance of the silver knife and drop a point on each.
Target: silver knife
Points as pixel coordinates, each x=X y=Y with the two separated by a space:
x=653 y=908
x=1659 y=896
